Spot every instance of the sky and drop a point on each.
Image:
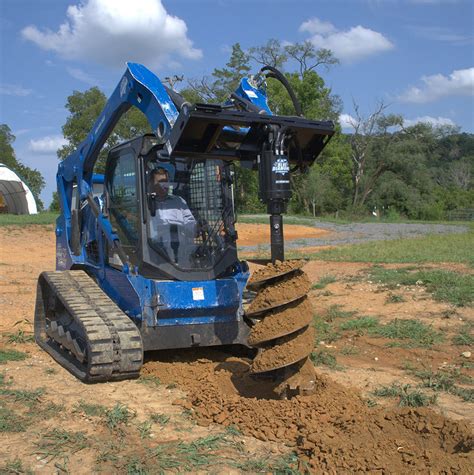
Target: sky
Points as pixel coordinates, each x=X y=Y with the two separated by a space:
x=415 y=55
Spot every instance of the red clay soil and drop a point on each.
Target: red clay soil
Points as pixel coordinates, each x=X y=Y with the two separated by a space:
x=253 y=234
x=281 y=322
x=271 y=271
x=332 y=430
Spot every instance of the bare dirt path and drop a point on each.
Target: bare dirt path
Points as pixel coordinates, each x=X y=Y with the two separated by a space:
x=335 y=430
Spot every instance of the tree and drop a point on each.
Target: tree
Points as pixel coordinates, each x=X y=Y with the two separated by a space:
x=270 y=54
x=309 y=58
x=84 y=109
x=32 y=177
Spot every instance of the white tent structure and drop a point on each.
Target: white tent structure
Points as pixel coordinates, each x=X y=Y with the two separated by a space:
x=15 y=195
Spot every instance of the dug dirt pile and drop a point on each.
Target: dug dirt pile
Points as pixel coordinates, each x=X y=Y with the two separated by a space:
x=331 y=430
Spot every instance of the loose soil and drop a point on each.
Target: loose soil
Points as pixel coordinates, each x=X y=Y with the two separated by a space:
x=334 y=430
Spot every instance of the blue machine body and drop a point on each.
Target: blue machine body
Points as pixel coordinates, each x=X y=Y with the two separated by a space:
x=170 y=313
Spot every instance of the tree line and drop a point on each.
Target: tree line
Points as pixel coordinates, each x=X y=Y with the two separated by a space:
x=380 y=165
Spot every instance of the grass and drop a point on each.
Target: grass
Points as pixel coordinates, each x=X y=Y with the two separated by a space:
x=44 y=218
x=11 y=355
x=59 y=443
x=29 y=398
x=445 y=286
x=447 y=381
x=149 y=380
x=414 y=332
x=395 y=298
x=325 y=331
x=10 y=421
x=334 y=311
x=91 y=410
x=359 y=324
x=324 y=358
x=324 y=281
x=159 y=418
x=465 y=336
x=431 y=248
x=14 y=466
x=20 y=337
x=406 y=396
x=119 y=415
x=144 y=429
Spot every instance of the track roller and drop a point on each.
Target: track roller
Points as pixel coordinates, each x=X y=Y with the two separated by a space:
x=84 y=330
x=282 y=315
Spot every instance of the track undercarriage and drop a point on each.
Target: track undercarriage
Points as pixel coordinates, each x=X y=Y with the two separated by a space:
x=83 y=330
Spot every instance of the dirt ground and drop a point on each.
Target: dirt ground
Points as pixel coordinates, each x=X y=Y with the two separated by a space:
x=200 y=410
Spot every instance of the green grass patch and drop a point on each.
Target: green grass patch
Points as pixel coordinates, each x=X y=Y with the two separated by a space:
x=325 y=331
x=324 y=281
x=445 y=286
x=29 y=398
x=149 y=380
x=119 y=415
x=360 y=324
x=158 y=418
x=335 y=311
x=91 y=410
x=59 y=443
x=10 y=421
x=14 y=466
x=325 y=358
x=431 y=248
x=27 y=219
x=11 y=355
x=415 y=332
x=465 y=336
x=406 y=396
x=395 y=298
x=447 y=381
x=20 y=336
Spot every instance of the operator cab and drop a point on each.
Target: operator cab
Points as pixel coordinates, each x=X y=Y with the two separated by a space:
x=174 y=216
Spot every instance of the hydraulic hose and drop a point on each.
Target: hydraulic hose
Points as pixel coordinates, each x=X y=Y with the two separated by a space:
x=276 y=74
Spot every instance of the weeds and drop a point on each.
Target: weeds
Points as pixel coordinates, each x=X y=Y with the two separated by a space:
x=144 y=429
x=418 y=333
x=406 y=396
x=350 y=350
x=324 y=358
x=149 y=380
x=324 y=281
x=161 y=419
x=445 y=286
x=60 y=443
x=324 y=330
x=360 y=324
x=10 y=421
x=20 y=337
x=14 y=467
x=29 y=398
x=12 y=355
x=394 y=298
x=334 y=311
x=118 y=415
x=465 y=336
x=91 y=410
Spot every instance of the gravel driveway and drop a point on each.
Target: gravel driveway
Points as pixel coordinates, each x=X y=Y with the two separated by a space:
x=362 y=232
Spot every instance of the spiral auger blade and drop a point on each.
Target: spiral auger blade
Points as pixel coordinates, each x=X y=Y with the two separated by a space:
x=282 y=330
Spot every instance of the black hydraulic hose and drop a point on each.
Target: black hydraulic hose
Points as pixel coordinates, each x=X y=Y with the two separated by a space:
x=276 y=74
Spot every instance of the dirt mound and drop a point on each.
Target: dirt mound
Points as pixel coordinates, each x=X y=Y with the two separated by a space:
x=270 y=271
x=331 y=430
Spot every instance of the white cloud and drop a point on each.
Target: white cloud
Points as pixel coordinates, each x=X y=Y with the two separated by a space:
x=426 y=119
x=48 y=144
x=82 y=76
x=459 y=83
x=347 y=121
x=111 y=32
x=350 y=45
x=14 y=90
x=440 y=33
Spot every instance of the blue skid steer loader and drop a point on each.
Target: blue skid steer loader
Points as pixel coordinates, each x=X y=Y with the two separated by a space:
x=146 y=253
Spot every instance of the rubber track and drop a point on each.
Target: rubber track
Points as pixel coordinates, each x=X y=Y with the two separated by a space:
x=114 y=346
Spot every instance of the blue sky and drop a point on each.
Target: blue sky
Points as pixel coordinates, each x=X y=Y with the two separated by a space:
x=416 y=55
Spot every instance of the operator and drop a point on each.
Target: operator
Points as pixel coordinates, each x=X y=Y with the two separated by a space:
x=173 y=227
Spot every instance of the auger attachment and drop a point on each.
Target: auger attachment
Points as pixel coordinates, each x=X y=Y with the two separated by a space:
x=282 y=331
